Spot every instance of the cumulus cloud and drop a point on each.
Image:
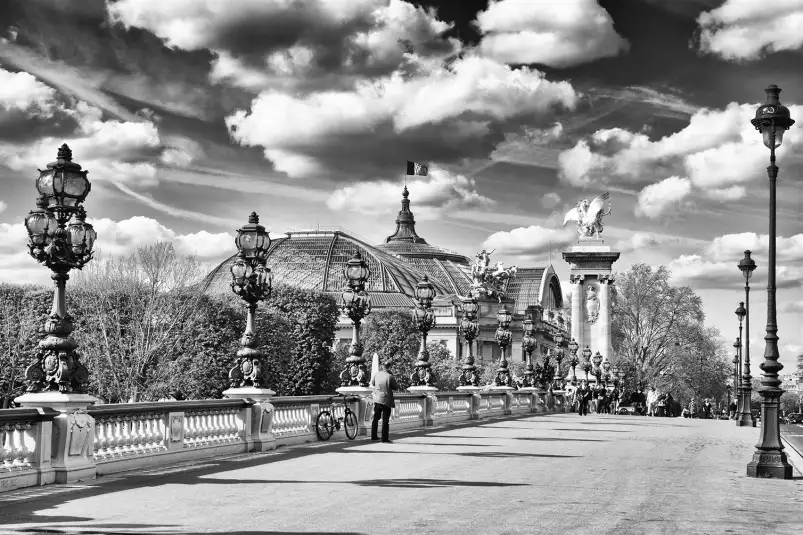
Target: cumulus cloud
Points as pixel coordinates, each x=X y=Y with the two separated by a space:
x=530 y=240
x=21 y=91
x=430 y=196
x=557 y=34
x=468 y=96
x=717 y=153
x=263 y=43
x=715 y=264
x=550 y=200
x=747 y=30
x=792 y=306
x=656 y=198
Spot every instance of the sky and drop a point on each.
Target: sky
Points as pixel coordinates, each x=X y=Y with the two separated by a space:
x=189 y=114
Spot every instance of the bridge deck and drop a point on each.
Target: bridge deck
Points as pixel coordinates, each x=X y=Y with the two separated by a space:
x=558 y=473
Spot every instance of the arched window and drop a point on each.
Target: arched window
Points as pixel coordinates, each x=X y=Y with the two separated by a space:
x=554 y=296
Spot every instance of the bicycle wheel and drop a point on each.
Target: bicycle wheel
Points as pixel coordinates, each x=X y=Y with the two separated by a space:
x=350 y=424
x=324 y=425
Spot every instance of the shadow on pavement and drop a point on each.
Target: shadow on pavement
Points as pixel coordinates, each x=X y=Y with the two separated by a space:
x=23 y=507
x=400 y=483
x=109 y=529
x=555 y=439
x=489 y=454
x=593 y=430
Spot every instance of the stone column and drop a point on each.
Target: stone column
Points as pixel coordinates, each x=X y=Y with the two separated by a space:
x=578 y=318
x=605 y=315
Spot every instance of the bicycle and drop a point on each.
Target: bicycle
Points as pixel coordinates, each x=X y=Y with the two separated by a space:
x=326 y=424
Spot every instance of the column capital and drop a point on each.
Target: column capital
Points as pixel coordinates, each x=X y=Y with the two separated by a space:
x=606 y=279
x=576 y=279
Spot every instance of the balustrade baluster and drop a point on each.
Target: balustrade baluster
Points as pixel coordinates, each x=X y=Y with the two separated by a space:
x=23 y=452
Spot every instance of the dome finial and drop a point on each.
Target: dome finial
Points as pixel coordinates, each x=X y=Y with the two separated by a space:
x=405 y=193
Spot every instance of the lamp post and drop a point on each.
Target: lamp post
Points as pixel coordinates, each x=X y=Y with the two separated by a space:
x=559 y=339
x=573 y=361
x=529 y=344
x=503 y=338
x=597 y=360
x=769 y=460
x=356 y=304
x=424 y=319
x=606 y=366
x=62 y=187
x=251 y=281
x=745 y=416
x=747 y=265
x=586 y=366
x=470 y=330
x=736 y=376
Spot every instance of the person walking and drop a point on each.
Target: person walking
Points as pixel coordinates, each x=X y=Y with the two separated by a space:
x=583 y=397
x=384 y=384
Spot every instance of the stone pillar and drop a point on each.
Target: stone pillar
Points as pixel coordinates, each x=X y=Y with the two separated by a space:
x=577 y=308
x=259 y=430
x=606 y=345
x=73 y=445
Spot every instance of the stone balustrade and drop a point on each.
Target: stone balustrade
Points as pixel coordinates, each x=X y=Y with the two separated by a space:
x=130 y=436
x=25 y=447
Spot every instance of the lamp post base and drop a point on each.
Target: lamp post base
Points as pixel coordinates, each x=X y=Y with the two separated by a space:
x=744 y=418
x=770 y=464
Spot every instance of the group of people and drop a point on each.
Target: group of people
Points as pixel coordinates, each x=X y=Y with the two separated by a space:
x=585 y=396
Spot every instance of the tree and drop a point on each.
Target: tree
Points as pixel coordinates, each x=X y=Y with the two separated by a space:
x=393 y=335
x=134 y=312
x=652 y=319
x=22 y=312
x=445 y=367
x=312 y=320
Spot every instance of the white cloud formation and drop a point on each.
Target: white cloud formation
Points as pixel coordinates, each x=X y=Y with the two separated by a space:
x=21 y=91
x=265 y=43
x=550 y=200
x=557 y=34
x=286 y=125
x=748 y=29
x=115 y=238
x=715 y=264
x=717 y=153
x=529 y=240
x=430 y=196
x=792 y=306
x=655 y=199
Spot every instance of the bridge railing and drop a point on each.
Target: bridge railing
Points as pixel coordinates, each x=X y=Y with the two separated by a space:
x=42 y=446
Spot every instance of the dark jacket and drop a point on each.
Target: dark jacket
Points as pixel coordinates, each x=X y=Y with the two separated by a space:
x=384 y=384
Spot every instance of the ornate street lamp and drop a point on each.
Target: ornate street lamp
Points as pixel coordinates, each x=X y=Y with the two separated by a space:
x=503 y=338
x=597 y=360
x=470 y=330
x=252 y=282
x=559 y=339
x=745 y=417
x=606 y=366
x=424 y=318
x=62 y=187
x=356 y=304
x=573 y=360
x=769 y=460
x=746 y=265
x=586 y=367
x=529 y=344
x=736 y=376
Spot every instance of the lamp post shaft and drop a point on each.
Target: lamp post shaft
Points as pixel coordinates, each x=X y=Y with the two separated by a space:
x=769 y=459
x=745 y=418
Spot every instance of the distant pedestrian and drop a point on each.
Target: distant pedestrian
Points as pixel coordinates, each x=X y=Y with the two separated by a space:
x=384 y=384
x=669 y=405
x=732 y=410
x=584 y=398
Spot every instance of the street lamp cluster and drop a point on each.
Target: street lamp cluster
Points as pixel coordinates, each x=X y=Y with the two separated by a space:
x=62 y=187
x=769 y=460
x=356 y=304
x=424 y=319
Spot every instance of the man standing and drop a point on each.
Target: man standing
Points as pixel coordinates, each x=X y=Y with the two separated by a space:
x=583 y=396
x=652 y=400
x=384 y=384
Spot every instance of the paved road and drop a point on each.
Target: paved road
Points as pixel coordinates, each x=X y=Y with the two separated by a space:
x=528 y=475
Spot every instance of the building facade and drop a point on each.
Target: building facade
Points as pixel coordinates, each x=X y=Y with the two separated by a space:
x=315 y=260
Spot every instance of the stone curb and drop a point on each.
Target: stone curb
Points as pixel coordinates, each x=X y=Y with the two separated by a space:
x=795 y=457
